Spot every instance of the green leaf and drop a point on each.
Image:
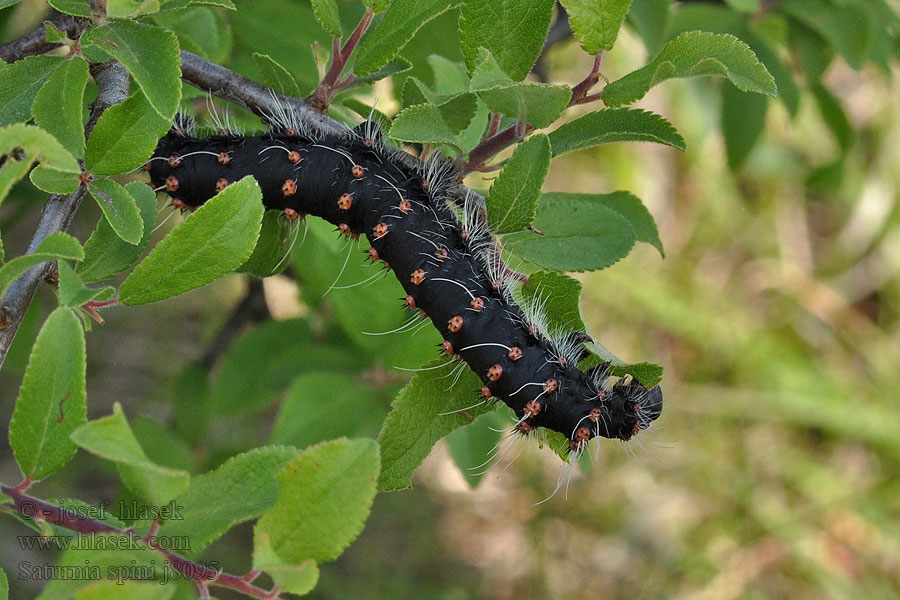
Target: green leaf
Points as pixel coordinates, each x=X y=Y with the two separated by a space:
x=395 y=66
x=537 y=103
x=845 y=26
x=4 y=586
x=650 y=18
x=596 y=23
x=558 y=295
x=471 y=444
x=630 y=207
x=614 y=125
x=125 y=136
x=327 y=15
x=398 y=25
x=72 y=291
x=512 y=200
x=422 y=413
x=54 y=35
x=105 y=253
x=324 y=498
x=5 y=4
x=27 y=143
x=423 y=123
x=305 y=417
x=119 y=208
x=695 y=54
x=151 y=56
x=264 y=361
x=79 y=8
x=237 y=491
x=200 y=30
x=111 y=438
x=743 y=120
x=512 y=30
x=52 y=399
x=580 y=234
x=216 y=239
x=53 y=181
x=58 y=105
x=131 y=8
x=834 y=116
x=647 y=373
x=57 y=246
x=277 y=238
x=294 y=579
x=10 y=172
x=457 y=112
x=275 y=76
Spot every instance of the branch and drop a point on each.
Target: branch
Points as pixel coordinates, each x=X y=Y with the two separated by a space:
x=35 y=41
x=113 y=81
x=35 y=508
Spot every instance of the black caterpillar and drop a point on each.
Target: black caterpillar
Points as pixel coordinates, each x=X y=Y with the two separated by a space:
x=443 y=255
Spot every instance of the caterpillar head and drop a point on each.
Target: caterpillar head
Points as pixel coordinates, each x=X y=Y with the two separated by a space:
x=640 y=405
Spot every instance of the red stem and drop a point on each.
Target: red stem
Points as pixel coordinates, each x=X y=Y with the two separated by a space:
x=581 y=90
x=34 y=508
x=331 y=84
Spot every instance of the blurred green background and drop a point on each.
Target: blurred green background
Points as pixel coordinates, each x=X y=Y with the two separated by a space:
x=773 y=470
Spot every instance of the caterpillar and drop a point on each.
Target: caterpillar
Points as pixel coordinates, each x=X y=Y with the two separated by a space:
x=443 y=254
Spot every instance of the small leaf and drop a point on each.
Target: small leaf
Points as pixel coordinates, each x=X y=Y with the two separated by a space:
x=395 y=66
x=105 y=253
x=263 y=362
x=119 y=208
x=21 y=82
x=398 y=25
x=53 y=181
x=630 y=207
x=29 y=144
x=470 y=445
x=695 y=54
x=111 y=438
x=149 y=53
x=422 y=413
x=4 y=585
x=216 y=239
x=58 y=106
x=294 y=579
x=305 y=418
x=537 y=103
x=238 y=490
x=650 y=18
x=558 y=295
x=614 y=125
x=125 y=136
x=327 y=15
x=512 y=30
x=580 y=234
x=647 y=373
x=512 y=200
x=131 y=8
x=596 y=23
x=844 y=25
x=10 y=172
x=458 y=111
x=324 y=498
x=51 y=402
x=834 y=116
x=276 y=240
x=78 y=8
x=275 y=76
x=423 y=123
x=57 y=246
x=72 y=291
x=743 y=120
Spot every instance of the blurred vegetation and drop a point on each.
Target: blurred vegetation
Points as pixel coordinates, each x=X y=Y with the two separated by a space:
x=773 y=470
